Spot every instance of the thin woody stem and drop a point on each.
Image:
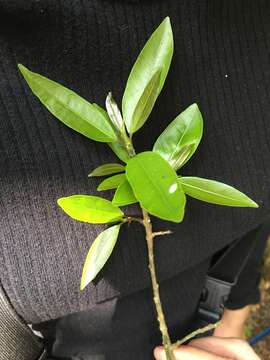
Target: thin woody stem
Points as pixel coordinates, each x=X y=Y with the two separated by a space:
x=161 y=319
x=129 y=219
x=160 y=233
x=195 y=333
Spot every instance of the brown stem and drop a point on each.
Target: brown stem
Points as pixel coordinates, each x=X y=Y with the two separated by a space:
x=129 y=219
x=161 y=319
x=160 y=233
x=195 y=333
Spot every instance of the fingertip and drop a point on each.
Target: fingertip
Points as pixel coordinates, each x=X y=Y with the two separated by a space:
x=158 y=352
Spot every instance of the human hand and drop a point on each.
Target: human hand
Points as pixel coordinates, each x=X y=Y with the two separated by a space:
x=211 y=348
x=232 y=323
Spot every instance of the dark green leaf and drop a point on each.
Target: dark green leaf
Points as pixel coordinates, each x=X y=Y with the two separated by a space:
x=90 y=209
x=98 y=254
x=215 y=192
x=156 y=54
x=112 y=182
x=70 y=108
x=107 y=169
x=181 y=138
x=124 y=195
x=155 y=185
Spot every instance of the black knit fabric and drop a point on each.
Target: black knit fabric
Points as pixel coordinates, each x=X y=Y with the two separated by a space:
x=221 y=61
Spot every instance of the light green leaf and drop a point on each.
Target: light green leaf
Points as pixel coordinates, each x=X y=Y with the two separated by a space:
x=155 y=185
x=98 y=254
x=102 y=111
x=180 y=139
x=90 y=209
x=120 y=151
x=124 y=195
x=114 y=113
x=107 y=169
x=146 y=102
x=70 y=108
x=112 y=182
x=143 y=79
x=214 y=192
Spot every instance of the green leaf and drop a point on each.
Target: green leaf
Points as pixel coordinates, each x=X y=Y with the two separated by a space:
x=124 y=195
x=90 y=209
x=120 y=151
x=155 y=185
x=146 y=102
x=144 y=83
x=112 y=182
x=102 y=111
x=98 y=254
x=114 y=113
x=107 y=169
x=214 y=192
x=70 y=108
x=180 y=139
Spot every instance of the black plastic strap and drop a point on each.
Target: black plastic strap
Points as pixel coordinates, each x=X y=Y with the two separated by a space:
x=223 y=275
x=17 y=341
x=232 y=261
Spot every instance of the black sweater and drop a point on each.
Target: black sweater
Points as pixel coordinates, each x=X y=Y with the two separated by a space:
x=221 y=61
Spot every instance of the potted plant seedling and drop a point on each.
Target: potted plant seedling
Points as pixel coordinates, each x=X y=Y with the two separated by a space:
x=149 y=178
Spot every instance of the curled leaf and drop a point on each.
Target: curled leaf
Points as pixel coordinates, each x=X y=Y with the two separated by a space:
x=114 y=113
x=145 y=83
x=124 y=195
x=180 y=139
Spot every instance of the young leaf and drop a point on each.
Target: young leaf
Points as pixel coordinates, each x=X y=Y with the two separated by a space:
x=214 y=192
x=114 y=113
x=156 y=54
x=98 y=254
x=124 y=195
x=70 y=108
x=107 y=169
x=90 y=209
x=180 y=139
x=155 y=185
x=120 y=151
x=112 y=182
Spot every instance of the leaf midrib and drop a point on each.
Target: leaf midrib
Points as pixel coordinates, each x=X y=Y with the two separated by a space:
x=186 y=129
x=159 y=191
x=208 y=192
x=37 y=81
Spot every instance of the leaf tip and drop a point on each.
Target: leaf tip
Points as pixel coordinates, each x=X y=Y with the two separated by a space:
x=83 y=284
x=60 y=202
x=22 y=68
x=167 y=20
x=254 y=204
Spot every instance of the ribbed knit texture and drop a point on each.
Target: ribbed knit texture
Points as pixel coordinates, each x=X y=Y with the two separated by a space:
x=221 y=61
x=17 y=341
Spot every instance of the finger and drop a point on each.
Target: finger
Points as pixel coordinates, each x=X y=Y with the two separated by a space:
x=186 y=352
x=229 y=347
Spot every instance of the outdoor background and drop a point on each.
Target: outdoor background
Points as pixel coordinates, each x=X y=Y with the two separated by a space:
x=260 y=317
